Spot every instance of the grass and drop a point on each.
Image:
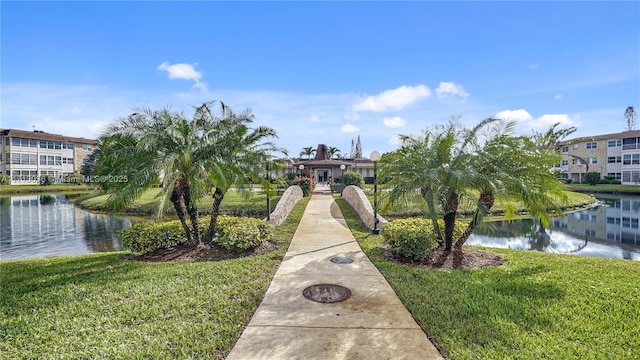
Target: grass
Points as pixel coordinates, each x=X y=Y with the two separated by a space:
x=536 y=305
x=103 y=306
x=234 y=203
x=611 y=188
x=417 y=207
x=30 y=189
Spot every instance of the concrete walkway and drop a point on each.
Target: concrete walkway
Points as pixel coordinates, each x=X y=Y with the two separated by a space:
x=371 y=324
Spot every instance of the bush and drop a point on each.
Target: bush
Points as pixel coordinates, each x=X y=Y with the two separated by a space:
x=604 y=181
x=615 y=182
x=336 y=187
x=232 y=233
x=369 y=179
x=353 y=178
x=609 y=177
x=75 y=178
x=47 y=180
x=4 y=179
x=305 y=183
x=242 y=233
x=414 y=238
x=592 y=178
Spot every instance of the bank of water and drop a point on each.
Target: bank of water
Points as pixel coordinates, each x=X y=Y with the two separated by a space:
x=49 y=225
x=610 y=230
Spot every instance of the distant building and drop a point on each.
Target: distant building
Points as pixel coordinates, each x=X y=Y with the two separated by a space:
x=27 y=155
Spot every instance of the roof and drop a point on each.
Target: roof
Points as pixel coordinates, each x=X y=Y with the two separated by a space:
x=612 y=136
x=45 y=136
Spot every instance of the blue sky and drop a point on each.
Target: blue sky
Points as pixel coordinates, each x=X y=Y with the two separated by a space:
x=322 y=72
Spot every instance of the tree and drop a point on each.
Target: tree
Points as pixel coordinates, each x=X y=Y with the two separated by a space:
x=309 y=151
x=630 y=118
x=451 y=166
x=88 y=164
x=332 y=150
x=592 y=178
x=190 y=158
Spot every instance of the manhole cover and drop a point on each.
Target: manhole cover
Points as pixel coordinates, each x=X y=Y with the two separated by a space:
x=341 y=260
x=326 y=293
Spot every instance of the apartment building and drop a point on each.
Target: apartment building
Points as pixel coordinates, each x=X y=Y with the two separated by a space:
x=27 y=155
x=616 y=155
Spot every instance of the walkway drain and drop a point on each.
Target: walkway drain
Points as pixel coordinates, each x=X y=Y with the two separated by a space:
x=326 y=293
x=341 y=260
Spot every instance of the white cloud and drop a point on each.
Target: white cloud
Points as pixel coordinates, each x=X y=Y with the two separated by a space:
x=314 y=119
x=184 y=71
x=533 y=66
x=520 y=115
x=394 y=122
x=558 y=97
x=545 y=121
x=448 y=88
x=395 y=99
x=348 y=128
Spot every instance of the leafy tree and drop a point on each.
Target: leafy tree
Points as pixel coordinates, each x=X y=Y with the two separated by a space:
x=451 y=166
x=332 y=150
x=5 y=179
x=353 y=178
x=630 y=118
x=89 y=162
x=309 y=151
x=358 y=152
x=592 y=178
x=205 y=155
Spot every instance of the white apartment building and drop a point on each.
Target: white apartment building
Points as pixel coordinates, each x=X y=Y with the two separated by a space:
x=616 y=155
x=26 y=156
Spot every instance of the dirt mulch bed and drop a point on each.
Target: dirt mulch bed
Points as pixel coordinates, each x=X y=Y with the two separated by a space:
x=200 y=252
x=465 y=259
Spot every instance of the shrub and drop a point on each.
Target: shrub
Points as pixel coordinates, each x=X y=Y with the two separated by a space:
x=615 y=182
x=4 y=179
x=148 y=237
x=369 y=179
x=609 y=177
x=353 y=178
x=336 y=187
x=289 y=176
x=74 y=178
x=232 y=233
x=604 y=181
x=47 y=180
x=592 y=178
x=305 y=183
x=414 y=238
x=242 y=233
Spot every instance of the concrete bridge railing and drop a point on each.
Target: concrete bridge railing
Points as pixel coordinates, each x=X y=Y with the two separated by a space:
x=359 y=202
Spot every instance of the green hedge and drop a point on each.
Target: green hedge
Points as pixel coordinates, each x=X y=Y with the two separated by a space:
x=414 y=238
x=232 y=233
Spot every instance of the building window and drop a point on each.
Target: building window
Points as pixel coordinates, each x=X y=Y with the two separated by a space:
x=564 y=163
x=590 y=232
x=629 y=144
x=87 y=147
x=626 y=176
x=635 y=159
x=565 y=149
x=592 y=145
x=592 y=160
x=617 y=176
x=575 y=146
x=614 y=143
x=626 y=159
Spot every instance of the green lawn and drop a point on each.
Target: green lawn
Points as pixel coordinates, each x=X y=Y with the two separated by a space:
x=56 y=188
x=234 y=203
x=535 y=306
x=417 y=207
x=102 y=306
x=620 y=189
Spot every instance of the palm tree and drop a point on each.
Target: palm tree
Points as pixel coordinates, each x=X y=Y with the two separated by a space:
x=451 y=165
x=207 y=154
x=332 y=150
x=308 y=151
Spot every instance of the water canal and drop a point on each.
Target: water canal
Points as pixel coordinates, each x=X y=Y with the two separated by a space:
x=49 y=225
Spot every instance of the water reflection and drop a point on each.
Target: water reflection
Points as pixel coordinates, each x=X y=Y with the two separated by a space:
x=610 y=230
x=46 y=225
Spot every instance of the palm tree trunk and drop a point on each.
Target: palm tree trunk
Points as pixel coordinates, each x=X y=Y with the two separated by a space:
x=485 y=202
x=192 y=210
x=426 y=195
x=178 y=204
x=450 y=212
x=218 y=195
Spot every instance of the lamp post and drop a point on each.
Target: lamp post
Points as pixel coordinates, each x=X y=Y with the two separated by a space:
x=375 y=157
x=301 y=167
x=342 y=167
